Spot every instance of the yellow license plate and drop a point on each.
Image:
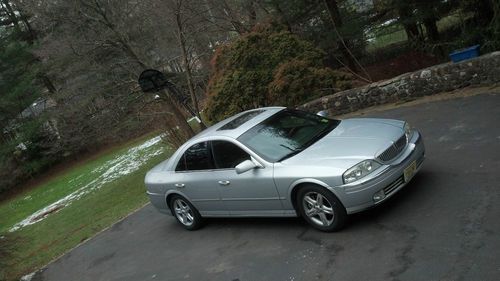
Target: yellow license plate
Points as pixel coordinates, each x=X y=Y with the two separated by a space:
x=410 y=171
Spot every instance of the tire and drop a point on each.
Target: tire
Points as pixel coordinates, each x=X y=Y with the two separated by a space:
x=185 y=213
x=321 y=208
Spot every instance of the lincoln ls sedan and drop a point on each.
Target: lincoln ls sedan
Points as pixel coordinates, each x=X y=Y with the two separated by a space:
x=282 y=162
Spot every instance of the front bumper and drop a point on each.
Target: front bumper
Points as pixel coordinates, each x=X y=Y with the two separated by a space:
x=390 y=179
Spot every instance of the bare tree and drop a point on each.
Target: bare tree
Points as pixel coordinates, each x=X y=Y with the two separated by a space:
x=180 y=21
x=101 y=46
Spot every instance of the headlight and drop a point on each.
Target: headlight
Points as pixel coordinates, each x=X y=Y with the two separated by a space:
x=360 y=170
x=408 y=131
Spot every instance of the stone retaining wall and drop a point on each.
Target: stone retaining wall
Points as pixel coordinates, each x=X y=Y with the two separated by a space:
x=480 y=71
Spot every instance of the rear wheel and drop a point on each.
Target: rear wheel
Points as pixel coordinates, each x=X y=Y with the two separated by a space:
x=185 y=213
x=321 y=208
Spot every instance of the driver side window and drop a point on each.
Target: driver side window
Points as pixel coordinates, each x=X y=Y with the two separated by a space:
x=227 y=155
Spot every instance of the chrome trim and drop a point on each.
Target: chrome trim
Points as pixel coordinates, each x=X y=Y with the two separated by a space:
x=393 y=186
x=250 y=199
x=153 y=194
x=204 y=200
x=394 y=150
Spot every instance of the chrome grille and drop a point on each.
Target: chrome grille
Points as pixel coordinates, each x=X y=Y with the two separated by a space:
x=391 y=187
x=393 y=150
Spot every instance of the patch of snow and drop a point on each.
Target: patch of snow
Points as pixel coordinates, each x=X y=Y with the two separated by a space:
x=28 y=277
x=22 y=146
x=194 y=118
x=111 y=170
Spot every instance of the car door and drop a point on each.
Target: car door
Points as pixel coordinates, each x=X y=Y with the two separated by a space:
x=195 y=175
x=251 y=193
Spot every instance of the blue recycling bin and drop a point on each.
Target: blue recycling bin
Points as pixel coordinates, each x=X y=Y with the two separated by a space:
x=465 y=54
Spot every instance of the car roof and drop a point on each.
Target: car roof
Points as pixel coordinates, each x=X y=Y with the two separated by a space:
x=236 y=125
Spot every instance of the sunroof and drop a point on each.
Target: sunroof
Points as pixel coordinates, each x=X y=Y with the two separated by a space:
x=240 y=120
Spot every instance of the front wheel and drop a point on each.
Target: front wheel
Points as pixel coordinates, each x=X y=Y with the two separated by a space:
x=185 y=213
x=321 y=208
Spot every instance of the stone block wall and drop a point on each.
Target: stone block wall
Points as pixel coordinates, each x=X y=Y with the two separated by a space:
x=480 y=71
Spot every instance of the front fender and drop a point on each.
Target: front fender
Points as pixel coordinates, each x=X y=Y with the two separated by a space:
x=298 y=182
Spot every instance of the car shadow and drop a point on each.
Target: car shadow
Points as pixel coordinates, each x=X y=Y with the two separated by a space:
x=413 y=193
x=255 y=223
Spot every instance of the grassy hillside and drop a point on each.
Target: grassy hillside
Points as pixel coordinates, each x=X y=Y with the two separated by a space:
x=54 y=217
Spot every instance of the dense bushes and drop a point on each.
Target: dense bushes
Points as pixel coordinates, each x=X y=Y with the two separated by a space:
x=268 y=66
x=295 y=82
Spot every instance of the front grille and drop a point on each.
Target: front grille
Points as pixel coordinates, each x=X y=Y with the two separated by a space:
x=391 y=187
x=393 y=150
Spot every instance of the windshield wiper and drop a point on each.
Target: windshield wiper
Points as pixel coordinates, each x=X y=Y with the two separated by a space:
x=294 y=152
x=287 y=147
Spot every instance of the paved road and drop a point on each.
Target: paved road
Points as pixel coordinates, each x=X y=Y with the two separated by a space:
x=445 y=225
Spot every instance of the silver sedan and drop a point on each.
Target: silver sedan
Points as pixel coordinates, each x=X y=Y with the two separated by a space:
x=280 y=162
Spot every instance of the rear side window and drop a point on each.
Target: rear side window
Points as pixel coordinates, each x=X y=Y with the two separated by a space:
x=197 y=157
x=227 y=155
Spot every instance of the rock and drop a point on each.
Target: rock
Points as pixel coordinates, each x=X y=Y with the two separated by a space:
x=425 y=74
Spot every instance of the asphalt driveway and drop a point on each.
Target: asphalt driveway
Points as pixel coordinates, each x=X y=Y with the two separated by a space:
x=444 y=225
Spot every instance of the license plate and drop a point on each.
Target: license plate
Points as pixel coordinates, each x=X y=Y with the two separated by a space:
x=410 y=171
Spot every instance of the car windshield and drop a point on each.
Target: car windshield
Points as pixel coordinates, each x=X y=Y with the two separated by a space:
x=286 y=133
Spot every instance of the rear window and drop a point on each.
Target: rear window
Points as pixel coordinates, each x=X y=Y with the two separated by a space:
x=240 y=120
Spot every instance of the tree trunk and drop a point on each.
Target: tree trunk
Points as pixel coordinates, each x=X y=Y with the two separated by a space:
x=409 y=24
x=344 y=45
x=252 y=14
x=123 y=43
x=48 y=83
x=485 y=12
x=189 y=78
x=431 y=28
x=411 y=30
x=429 y=20
x=171 y=106
x=23 y=16
x=31 y=37
x=10 y=13
x=131 y=54
x=237 y=26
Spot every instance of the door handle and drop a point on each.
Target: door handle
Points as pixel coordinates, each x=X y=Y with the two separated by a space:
x=179 y=185
x=224 y=182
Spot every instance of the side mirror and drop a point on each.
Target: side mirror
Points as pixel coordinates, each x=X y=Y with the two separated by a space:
x=245 y=166
x=322 y=113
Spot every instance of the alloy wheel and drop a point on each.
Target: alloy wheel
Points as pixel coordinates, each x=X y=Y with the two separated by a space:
x=183 y=212
x=318 y=209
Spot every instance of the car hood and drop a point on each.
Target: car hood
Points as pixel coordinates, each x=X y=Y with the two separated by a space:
x=352 y=141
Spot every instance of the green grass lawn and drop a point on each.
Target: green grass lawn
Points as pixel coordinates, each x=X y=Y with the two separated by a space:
x=384 y=38
x=108 y=190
